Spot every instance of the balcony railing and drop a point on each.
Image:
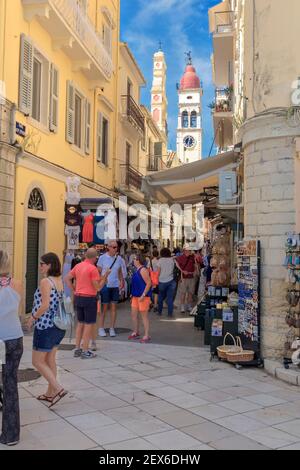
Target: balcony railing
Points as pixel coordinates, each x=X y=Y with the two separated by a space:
x=224 y=22
x=75 y=18
x=223 y=100
x=131 y=177
x=131 y=110
x=7 y=121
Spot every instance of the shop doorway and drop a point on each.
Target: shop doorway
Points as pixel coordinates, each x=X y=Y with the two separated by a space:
x=33 y=233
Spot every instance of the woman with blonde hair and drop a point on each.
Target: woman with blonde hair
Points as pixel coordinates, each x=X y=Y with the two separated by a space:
x=12 y=335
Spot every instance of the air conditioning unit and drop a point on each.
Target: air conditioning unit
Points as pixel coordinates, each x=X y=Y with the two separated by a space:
x=228 y=188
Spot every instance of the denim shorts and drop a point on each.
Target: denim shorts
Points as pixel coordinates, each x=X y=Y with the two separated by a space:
x=47 y=340
x=86 y=310
x=110 y=295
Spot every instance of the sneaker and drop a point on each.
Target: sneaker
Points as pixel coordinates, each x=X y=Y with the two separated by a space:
x=102 y=332
x=77 y=352
x=112 y=332
x=88 y=355
x=93 y=346
x=189 y=308
x=182 y=309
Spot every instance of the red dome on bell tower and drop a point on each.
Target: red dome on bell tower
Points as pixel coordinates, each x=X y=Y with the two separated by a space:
x=190 y=78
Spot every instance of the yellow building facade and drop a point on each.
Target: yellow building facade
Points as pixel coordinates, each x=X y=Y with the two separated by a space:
x=59 y=65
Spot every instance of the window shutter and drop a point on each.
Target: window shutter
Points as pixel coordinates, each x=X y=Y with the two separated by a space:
x=87 y=127
x=26 y=75
x=54 y=92
x=70 y=118
x=99 y=137
x=107 y=38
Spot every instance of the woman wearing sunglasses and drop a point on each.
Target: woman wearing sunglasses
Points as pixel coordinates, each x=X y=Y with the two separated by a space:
x=141 y=298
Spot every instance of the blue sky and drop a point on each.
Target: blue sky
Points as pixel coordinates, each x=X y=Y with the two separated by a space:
x=181 y=25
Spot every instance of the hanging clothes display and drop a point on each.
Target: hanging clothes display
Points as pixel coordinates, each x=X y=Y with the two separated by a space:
x=72 y=237
x=66 y=269
x=72 y=215
x=73 y=194
x=99 y=229
x=88 y=229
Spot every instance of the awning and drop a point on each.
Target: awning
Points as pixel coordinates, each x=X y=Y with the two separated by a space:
x=184 y=184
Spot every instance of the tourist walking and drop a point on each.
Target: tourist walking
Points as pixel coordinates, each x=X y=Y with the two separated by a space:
x=186 y=263
x=167 y=284
x=47 y=337
x=12 y=335
x=155 y=278
x=141 y=298
x=110 y=293
x=87 y=284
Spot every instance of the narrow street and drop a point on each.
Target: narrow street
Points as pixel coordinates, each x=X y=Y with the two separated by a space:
x=163 y=395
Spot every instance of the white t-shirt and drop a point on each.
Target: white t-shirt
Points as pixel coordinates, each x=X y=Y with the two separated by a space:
x=105 y=262
x=166 y=266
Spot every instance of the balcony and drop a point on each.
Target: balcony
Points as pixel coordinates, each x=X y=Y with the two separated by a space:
x=7 y=121
x=223 y=22
x=131 y=181
x=222 y=28
x=222 y=110
x=132 y=115
x=72 y=31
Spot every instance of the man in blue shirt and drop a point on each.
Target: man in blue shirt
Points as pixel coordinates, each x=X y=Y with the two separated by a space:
x=110 y=293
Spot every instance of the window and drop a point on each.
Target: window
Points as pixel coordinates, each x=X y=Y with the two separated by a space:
x=102 y=139
x=193 y=119
x=107 y=38
x=105 y=141
x=128 y=153
x=37 y=77
x=185 y=119
x=78 y=121
x=36 y=201
x=36 y=92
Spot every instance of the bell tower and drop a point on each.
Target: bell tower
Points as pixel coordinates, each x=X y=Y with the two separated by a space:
x=189 y=130
x=159 y=102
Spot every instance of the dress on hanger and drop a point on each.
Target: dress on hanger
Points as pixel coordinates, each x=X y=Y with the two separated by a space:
x=66 y=269
x=88 y=229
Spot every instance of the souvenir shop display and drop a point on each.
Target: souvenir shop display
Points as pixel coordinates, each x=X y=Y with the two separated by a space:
x=88 y=228
x=220 y=261
x=248 y=255
x=292 y=263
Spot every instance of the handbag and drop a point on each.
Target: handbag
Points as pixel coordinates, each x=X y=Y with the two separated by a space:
x=62 y=319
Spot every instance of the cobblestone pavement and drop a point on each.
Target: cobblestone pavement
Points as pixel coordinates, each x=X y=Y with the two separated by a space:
x=159 y=396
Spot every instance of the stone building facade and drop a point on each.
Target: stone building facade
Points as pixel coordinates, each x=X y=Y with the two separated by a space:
x=255 y=53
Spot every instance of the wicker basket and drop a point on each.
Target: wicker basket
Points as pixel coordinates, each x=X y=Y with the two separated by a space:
x=242 y=355
x=222 y=350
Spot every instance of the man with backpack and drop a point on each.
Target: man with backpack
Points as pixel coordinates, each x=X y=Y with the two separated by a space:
x=110 y=294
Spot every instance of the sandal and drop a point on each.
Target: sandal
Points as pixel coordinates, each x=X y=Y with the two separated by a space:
x=145 y=339
x=58 y=397
x=134 y=335
x=44 y=398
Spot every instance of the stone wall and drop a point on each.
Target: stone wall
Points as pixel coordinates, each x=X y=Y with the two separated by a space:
x=7 y=185
x=269 y=215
